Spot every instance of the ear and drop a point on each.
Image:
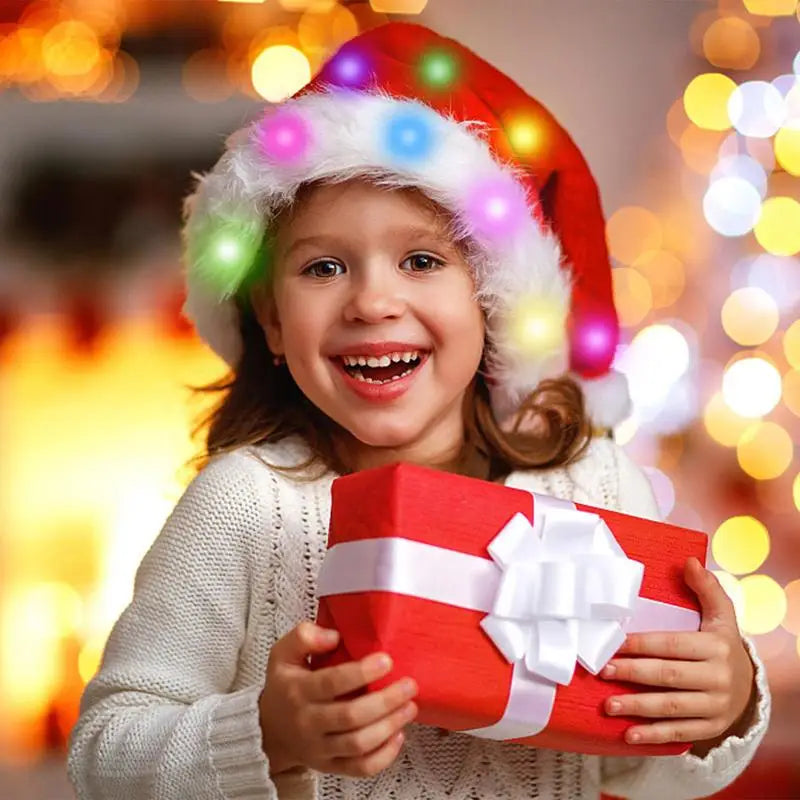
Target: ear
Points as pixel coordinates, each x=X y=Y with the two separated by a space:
x=267 y=315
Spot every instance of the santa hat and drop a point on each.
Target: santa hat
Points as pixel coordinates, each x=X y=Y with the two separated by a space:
x=405 y=107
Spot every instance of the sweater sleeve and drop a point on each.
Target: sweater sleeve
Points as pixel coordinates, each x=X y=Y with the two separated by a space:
x=685 y=776
x=160 y=720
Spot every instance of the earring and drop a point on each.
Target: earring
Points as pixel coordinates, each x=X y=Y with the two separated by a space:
x=278 y=360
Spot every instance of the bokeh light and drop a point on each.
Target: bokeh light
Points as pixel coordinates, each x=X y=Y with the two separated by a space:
x=632 y=231
x=792 y=619
x=791 y=391
x=791 y=344
x=771 y=8
x=787 y=150
x=751 y=387
x=740 y=544
x=750 y=316
x=655 y=360
x=732 y=206
x=205 y=76
x=724 y=425
x=280 y=71
x=764 y=604
x=633 y=297
x=321 y=33
x=700 y=148
x=706 y=100
x=778 y=227
x=741 y=166
x=779 y=276
x=666 y=275
x=765 y=451
x=70 y=48
x=731 y=43
x=757 y=109
x=796 y=491
x=398 y=6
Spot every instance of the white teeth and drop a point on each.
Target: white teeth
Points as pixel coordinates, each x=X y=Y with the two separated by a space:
x=382 y=361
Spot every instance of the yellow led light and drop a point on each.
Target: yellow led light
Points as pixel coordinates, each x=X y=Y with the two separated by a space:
x=740 y=545
x=536 y=325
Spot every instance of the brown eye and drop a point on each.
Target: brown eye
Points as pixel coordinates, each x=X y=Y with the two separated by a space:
x=422 y=262
x=324 y=269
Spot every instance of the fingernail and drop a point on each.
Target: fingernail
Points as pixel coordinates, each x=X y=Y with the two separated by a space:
x=379 y=663
x=634 y=737
x=609 y=671
x=614 y=706
x=409 y=687
x=329 y=636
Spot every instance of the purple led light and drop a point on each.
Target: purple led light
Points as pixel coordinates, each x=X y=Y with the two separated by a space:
x=284 y=137
x=496 y=208
x=348 y=68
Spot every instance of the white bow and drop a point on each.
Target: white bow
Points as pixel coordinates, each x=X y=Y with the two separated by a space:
x=566 y=591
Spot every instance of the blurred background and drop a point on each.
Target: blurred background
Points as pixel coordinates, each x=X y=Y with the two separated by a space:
x=688 y=112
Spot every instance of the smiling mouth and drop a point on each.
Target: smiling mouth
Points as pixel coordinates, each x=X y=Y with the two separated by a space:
x=382 y=369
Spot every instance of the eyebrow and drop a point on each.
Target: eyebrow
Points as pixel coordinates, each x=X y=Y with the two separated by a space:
x=327 y=240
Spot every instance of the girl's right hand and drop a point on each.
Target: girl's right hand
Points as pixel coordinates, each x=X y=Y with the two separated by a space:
x=304 y=724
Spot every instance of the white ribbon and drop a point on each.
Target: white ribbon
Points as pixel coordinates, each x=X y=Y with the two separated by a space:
x=557 y=592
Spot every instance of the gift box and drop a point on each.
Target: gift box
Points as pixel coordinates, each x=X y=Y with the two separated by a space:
x=502 y=604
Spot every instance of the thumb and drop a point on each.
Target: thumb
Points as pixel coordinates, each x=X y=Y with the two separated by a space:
x=715 y=604
x=302 y=641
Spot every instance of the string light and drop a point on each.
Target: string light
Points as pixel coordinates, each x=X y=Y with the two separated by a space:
x=438 y=69
x=496 y=208
x=409 y=136
x=537 y=325
x=284 y=137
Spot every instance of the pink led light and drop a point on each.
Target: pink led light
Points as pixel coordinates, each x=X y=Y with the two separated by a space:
x=593 y=343
x=284 y=137
x=496 y=208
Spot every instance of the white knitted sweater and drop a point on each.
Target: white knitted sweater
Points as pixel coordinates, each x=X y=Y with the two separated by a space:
x=173 y=712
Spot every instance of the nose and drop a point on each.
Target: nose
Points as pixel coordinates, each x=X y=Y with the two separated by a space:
x=376 y=294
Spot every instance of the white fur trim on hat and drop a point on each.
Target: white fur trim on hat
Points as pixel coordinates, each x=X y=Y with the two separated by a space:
x=607 y=398
x=346 y=130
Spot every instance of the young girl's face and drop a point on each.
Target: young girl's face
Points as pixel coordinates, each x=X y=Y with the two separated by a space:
x=373 y=306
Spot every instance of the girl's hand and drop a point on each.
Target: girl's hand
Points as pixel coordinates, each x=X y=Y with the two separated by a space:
x=304 y=724
x=709 y=674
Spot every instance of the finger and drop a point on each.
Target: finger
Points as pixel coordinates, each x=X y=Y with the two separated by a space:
x=369 y=765
x=661 y=672
x=349 y=715
x=364 y=740
x=663 y=705
x=679 y=730
x=688 y=645
x=302 y=641
x=715 y=604
x=333 y=682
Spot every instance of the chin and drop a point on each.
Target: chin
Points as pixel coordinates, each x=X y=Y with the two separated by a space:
x=388 y=434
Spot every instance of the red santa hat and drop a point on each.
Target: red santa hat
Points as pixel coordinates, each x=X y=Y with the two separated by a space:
x=406 y=107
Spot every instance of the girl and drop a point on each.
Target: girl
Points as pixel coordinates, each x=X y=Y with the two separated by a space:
x=384 y=277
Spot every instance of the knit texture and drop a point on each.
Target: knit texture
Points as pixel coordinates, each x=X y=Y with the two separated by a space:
x=172 y=713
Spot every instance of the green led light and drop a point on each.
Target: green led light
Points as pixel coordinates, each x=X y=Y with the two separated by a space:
x=438 y=69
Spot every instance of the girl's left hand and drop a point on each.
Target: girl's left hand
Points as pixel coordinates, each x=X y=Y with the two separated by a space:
x=709 y=674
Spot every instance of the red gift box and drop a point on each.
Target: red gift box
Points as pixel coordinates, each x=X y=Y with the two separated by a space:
x=464 y=679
